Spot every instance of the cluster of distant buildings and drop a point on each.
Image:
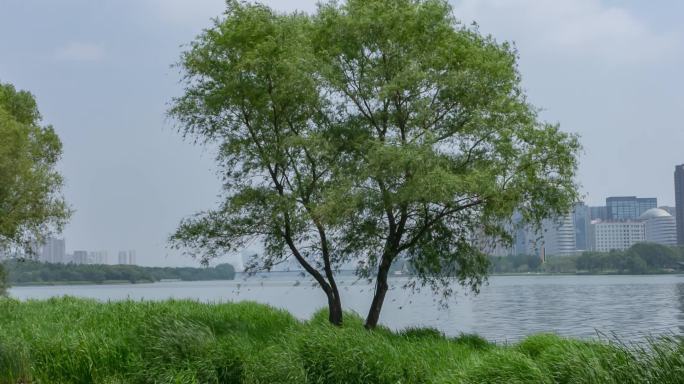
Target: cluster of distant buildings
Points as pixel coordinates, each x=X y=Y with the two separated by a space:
x=622 y=222
x=54 y=251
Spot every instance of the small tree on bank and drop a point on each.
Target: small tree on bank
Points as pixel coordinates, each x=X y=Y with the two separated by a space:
x=251 y=89
x=31 y=204
x=369 y=131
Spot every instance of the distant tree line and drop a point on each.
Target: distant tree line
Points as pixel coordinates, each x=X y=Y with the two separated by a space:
x=641 y=258
x=26 y=272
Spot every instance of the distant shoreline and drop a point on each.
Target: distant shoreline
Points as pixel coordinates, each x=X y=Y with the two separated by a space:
x=585 y=274
x=50 y=283
x=107 y=282
x=34 y=273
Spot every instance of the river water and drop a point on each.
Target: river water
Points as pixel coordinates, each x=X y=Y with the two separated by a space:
x=507 y=309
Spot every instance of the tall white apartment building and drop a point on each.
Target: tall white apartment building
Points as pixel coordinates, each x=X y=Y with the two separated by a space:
x=98 y=257
x=54 y=251
x=127 y=257
x=80 y=257
x=131 y=257
x=559 y=236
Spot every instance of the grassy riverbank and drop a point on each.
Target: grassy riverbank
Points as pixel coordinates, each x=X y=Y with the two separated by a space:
x=80 y=341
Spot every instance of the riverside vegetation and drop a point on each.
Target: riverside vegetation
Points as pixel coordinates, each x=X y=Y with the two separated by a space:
x=641 y=258
x=71 y=340
x=33 y=272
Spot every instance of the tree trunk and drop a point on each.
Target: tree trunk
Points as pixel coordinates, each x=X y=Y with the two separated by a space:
x=334 y=301
x=335 y=309
x=380 y=291
x=329 y=287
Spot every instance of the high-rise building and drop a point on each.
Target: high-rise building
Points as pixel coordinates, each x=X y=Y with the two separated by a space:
x=559 y=236
x=131 y=257
x=645 y=203
x=127 y=257
x=80 y=257
x=520 y=235
x=123 y=257
x=562 y=236
x=659 y=227
x=581 y=217
x=521 y=246
x=98 y=257
x=616 y=235
x=54 y=251
x=679 y=202
x=628 y=207
x=598 y=213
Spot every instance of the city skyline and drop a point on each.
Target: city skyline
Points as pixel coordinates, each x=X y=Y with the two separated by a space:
x=580 y=230
x=622 y=222
x=54 y=250
x=605 y=70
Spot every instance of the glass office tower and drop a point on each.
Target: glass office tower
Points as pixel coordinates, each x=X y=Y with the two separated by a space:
x=620 y=208
x=679 y=202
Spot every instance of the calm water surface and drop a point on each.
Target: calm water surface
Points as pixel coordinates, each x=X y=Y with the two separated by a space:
x=507 y=309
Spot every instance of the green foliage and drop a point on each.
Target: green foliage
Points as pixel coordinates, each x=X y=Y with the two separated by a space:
x=13 y=362
x=31 y=204
x=445 y=146
x=33 y=272
x=251 y=88
x=507 y=367
x=473 y=341
x=366 y=131
x=190 y=342
x=515 y=263
x=422 y=333
x=4 y=283
x=571 y=361
x=534 y=346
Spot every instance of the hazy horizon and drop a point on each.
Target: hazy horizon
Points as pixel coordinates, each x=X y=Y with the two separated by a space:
x=101 y=73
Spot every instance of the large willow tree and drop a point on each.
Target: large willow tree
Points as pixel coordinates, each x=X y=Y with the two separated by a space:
x=370 y=131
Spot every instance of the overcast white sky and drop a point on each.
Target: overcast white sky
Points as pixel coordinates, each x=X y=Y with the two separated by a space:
x=609 y=70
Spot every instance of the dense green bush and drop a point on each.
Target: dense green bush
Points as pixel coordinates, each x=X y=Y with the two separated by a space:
x=68 y=340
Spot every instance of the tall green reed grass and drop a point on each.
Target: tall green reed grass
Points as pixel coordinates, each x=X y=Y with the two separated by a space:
x=69 y=340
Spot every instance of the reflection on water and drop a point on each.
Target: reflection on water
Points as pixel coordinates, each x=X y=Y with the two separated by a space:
x=628 y=306
x=508 y=308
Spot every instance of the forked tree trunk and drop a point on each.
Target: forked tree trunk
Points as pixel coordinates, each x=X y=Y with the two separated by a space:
x=329 y=287
x=335 y=309
x=380 y=292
